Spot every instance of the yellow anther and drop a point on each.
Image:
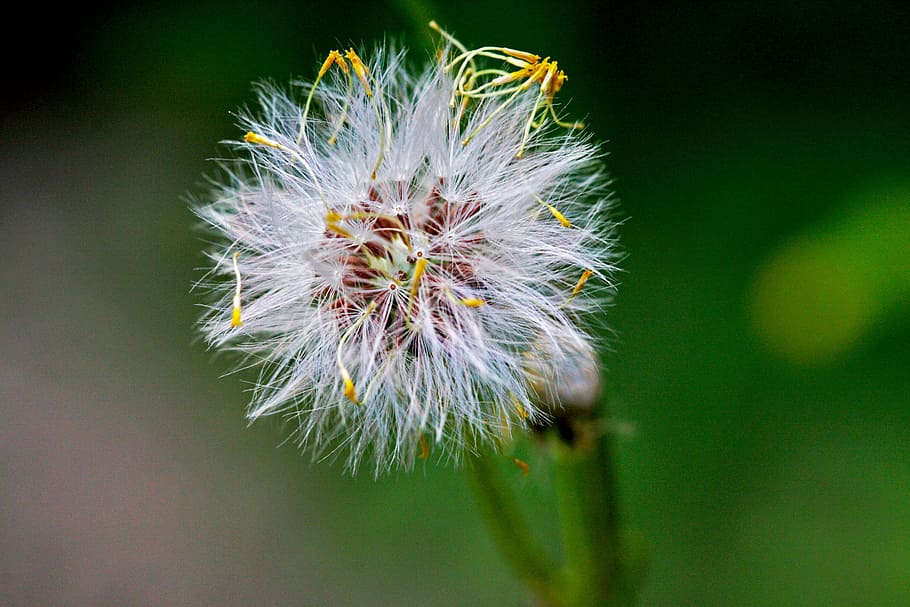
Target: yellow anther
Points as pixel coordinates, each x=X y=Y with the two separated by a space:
x=581 y=282
x=415 y=279
x=361 y=70
x=560 y=80
x=415 y=287
x=435 y=27
x=333 y=58
x=537 y=74
x=472 y=302
x=349 y=391
x=522 y=465
x=334 y=227
x=424 y=448
x=329 y=61
x=522 y=55
x=553 y=81
x=555 y=212
x=235 y=313
x=363 y=74
x=331 y=224
x=548 y=79
x=511 y=77
x=562 y=218
x=252 y=137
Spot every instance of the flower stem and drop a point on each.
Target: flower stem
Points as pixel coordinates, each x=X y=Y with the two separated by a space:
x=600 y=568
x=589 y=516
x=510 y=531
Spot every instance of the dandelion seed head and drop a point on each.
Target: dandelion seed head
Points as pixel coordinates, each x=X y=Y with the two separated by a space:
x=394 y=278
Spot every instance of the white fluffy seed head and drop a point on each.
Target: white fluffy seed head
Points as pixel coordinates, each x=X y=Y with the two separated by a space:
x=393 y=280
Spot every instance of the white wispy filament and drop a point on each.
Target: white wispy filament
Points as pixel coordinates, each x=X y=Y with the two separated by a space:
x=407 y=244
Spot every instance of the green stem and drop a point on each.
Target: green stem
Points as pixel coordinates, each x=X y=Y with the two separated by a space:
x=510 y=531
x=589 y=517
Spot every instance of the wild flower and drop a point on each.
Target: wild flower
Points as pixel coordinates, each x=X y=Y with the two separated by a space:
x=401 y=251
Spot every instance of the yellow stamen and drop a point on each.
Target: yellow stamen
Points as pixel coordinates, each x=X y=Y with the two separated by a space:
x=524 y=56
x=471 y=83
x=424 y=448
x=555 y=212
x=507 y=55
x=581 y=282
x=435 y=27
x=363 y=74
x=360 y=69
x=415 y=287
x=548 y=84
x=552 y=68
x=527 y=131
x=235 y=313
x=252 y=137
x=522 y=465
x=349 y=390
x=509 y=78
x=333 y=58
x=331 y=224
x=332 y=227
x=347 y=103
x=560 y=80
x=562 y=218
x=538 y=74
x=566 y=125
x=473 y=302
x=468 y=64
x=492 y=115
x=415 y=282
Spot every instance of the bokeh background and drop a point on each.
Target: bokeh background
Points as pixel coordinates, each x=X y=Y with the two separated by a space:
x=760 y=368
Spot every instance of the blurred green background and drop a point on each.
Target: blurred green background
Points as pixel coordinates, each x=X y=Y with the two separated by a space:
x=761 y=153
